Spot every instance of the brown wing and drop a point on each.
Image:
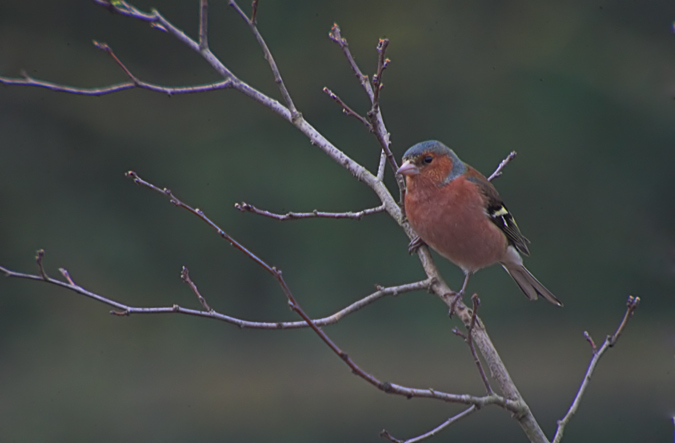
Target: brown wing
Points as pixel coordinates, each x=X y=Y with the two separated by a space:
x=500 y=215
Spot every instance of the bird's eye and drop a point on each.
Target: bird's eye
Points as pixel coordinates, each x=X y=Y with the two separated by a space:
x=428 y=159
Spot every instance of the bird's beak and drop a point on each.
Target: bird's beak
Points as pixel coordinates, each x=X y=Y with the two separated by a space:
x=408 y=168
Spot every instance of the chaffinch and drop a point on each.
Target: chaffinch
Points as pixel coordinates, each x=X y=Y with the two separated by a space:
x=454 y=209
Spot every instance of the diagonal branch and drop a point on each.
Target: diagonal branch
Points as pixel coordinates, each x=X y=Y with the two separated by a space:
x=468 y=411
x=268 y=56
x=347 y=110
x=502 y=165
x=631 y=305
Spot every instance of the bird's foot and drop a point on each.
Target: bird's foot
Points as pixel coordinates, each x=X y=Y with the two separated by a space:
x=415 y=244
x=456 y=298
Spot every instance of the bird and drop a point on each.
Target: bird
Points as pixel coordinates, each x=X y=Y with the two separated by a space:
x=455 y=210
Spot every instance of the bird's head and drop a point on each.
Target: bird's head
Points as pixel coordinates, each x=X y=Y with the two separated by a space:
x=431 y=161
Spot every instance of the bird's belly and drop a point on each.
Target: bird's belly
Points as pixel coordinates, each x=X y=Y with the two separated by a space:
x=470 y=242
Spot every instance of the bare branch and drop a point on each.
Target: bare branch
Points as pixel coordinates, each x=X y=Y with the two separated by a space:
x=502 y=165
x=631 y=305
x=245 y=207
x=590 y=341
x=335 y=35
x=29 y=81
x=468 y=411
x=177 y=309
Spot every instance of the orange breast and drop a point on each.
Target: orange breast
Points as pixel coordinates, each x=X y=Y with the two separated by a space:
x=452 y=220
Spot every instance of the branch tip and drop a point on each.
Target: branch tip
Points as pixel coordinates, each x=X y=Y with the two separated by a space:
x=502 y=165
x=254 y=11
x=66 y=275
x=124 y=313
x=38 y=259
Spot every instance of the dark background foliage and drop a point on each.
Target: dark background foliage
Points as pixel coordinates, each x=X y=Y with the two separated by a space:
x=582 y=90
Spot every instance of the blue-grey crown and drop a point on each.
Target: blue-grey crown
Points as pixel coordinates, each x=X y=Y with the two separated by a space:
x=436 y=147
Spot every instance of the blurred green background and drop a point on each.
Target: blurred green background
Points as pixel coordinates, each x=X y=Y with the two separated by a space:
x=582 y=90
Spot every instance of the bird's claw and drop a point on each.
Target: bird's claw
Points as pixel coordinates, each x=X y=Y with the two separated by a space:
x=415 y=244
x=456 y=298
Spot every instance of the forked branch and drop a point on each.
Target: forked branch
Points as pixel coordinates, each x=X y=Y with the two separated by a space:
x=631 y=305
x=390 y=388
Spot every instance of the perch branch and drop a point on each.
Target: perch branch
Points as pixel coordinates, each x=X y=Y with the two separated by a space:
x=631 y=305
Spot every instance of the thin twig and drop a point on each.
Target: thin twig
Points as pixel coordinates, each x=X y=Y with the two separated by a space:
x=382 y=64
x=108 y=50
x=375 y=113
x=335 y=35
x=203 y=24
x=66 y=275
x=347 y=110
x=29 y=81
x=185 y=276
x=469 y=342
x=38 y=259
x=245 y=207
x=631 y=305
x=590 y=341
x=468 y=411
x=502 y=165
